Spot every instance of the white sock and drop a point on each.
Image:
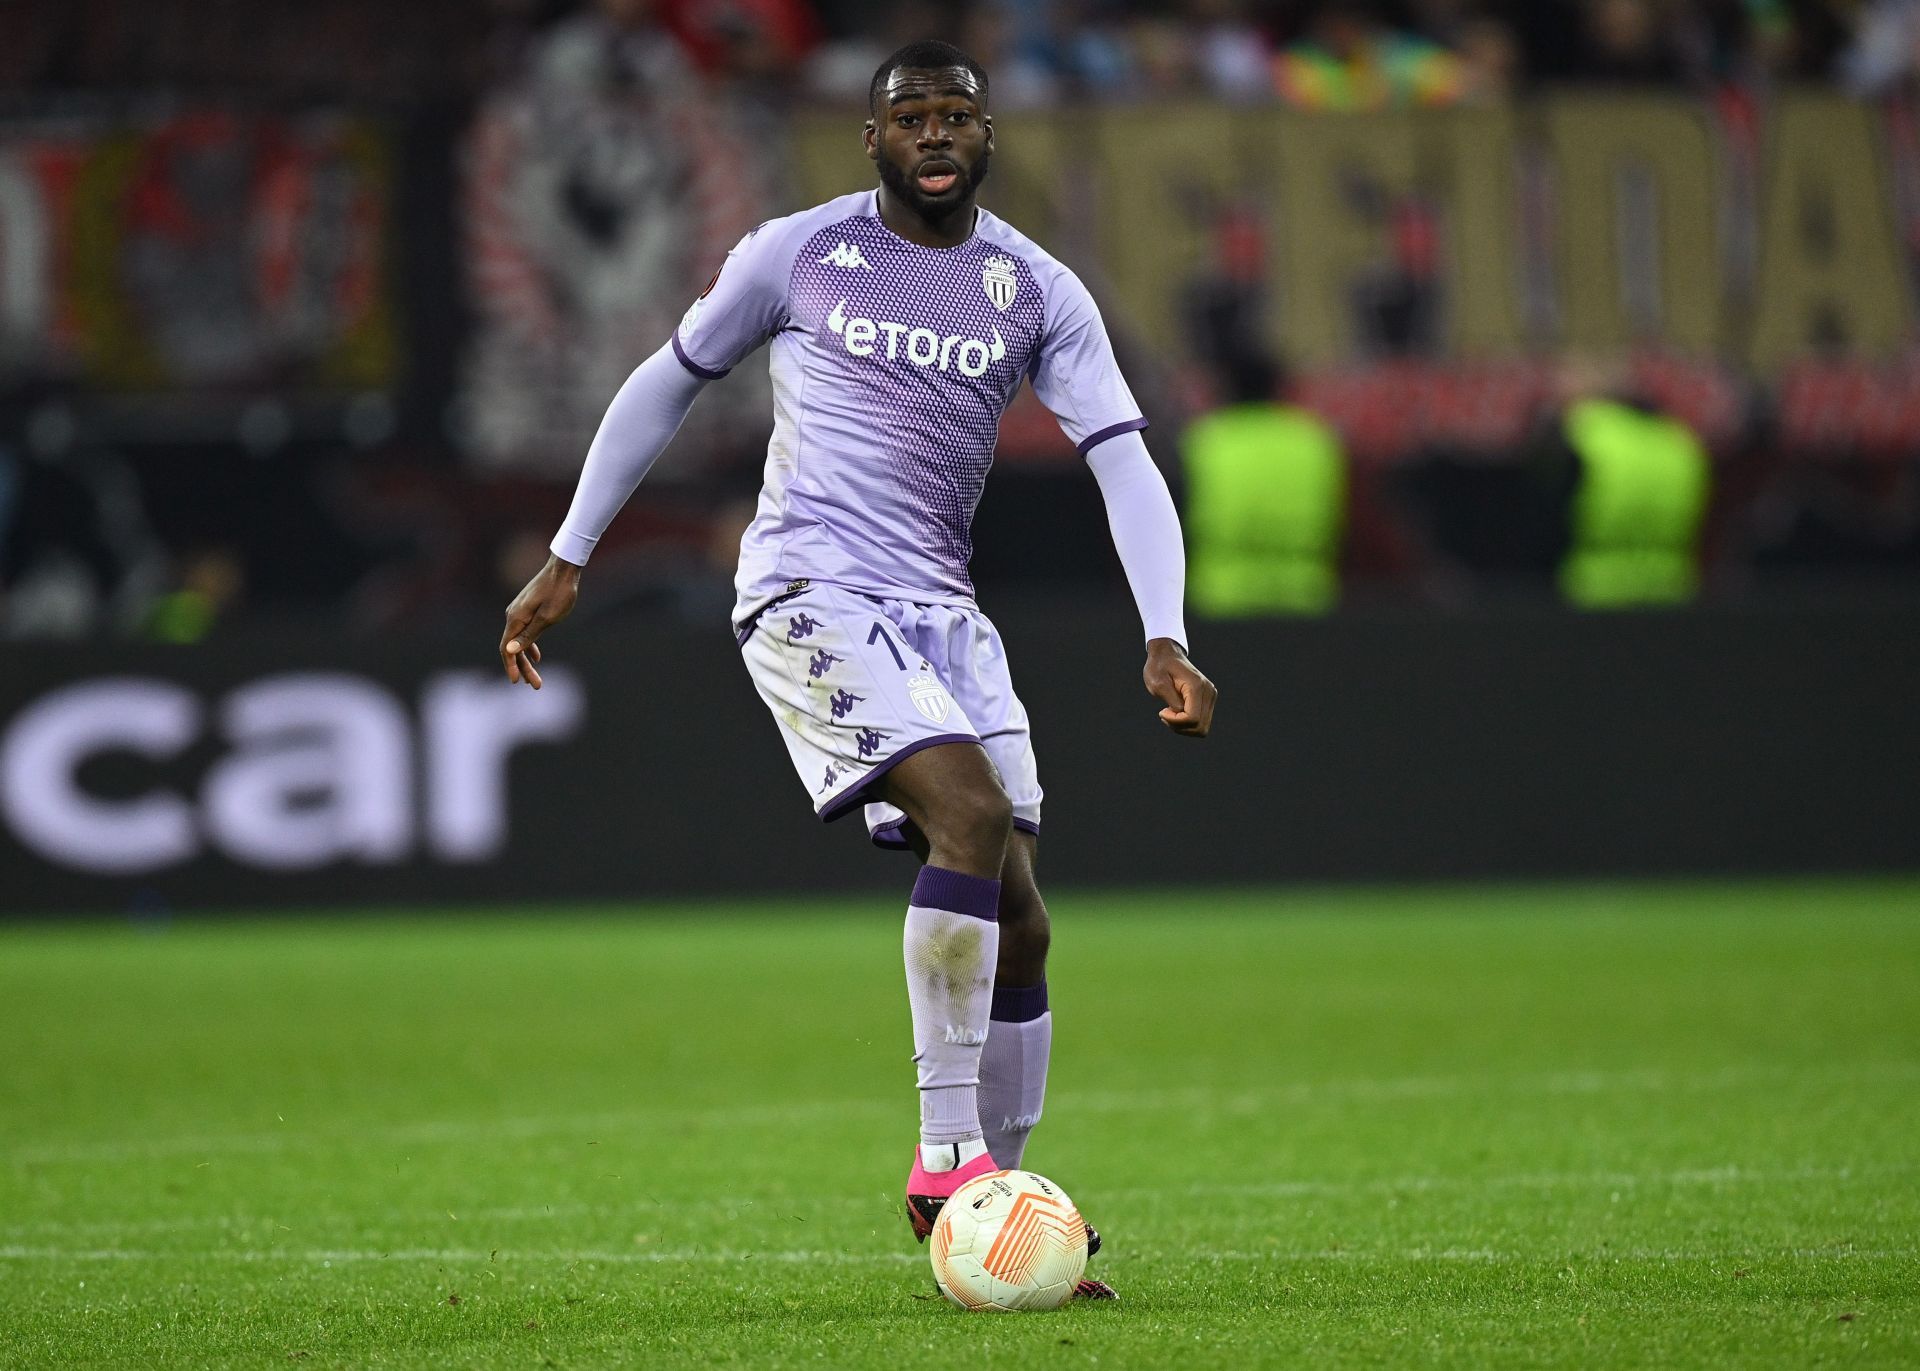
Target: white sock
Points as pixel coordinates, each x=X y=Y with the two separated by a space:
x=949 y=1156
x=1013 y=1070
x=951 y=946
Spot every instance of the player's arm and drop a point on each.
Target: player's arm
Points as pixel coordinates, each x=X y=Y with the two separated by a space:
x=1146 y=534
x=1079 y=380
x=642 y=419
x=741 y=305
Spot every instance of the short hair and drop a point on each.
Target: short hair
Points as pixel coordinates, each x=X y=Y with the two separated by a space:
x=928 y=54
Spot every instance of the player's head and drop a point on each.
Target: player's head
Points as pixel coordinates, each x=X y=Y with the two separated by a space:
x=928 y=131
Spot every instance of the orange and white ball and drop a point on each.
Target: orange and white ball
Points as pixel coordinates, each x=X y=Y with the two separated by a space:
x=1010 y=1240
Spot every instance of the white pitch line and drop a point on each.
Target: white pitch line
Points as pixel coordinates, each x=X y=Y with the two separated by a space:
x=1640 y=1080
x=1238 y=1100
x=446 y=1130
x=775 y=1207
x=325 y=1257
x=1548 y=1180
x=1491 y=1256
x=345 y=1256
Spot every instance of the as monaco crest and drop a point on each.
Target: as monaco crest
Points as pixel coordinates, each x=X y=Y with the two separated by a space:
x=997 y=276
x=930 y=697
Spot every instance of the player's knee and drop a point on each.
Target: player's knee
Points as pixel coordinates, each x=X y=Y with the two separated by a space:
x=1020 y=903
x=987 y=814
x=1026 y=934
x=977 y=820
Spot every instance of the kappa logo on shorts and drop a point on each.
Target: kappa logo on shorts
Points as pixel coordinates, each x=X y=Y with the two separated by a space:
x=822 y=663
x=802 y=626
x=930 y=698
x=868 y=740
x=843 y=703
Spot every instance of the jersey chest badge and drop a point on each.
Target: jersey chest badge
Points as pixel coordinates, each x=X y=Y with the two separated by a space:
x=1001 y=285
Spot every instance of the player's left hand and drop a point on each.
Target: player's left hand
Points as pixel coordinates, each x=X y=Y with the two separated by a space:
x=1180 y=685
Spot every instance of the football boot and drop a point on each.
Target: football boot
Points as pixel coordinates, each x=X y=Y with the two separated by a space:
x=1088 y=1288
x=927 y=1191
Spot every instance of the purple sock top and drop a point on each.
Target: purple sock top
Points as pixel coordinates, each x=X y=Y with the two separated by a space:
x=957 y=893
x=1018 y=1003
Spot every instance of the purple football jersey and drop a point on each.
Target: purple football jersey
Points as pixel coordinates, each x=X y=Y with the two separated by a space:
x=892 y=364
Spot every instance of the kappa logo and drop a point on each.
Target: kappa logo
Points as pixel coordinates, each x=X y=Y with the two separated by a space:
x=843 y=702
x=930 y=698
x=1000 y=282
x=921 y=346
x=823 y=662
x=846 y=255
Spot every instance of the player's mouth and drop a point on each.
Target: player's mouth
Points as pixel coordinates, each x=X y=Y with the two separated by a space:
x=936 y=177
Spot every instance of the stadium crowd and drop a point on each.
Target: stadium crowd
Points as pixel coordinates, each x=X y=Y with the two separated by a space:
x=579 y=162
x=1316 y=54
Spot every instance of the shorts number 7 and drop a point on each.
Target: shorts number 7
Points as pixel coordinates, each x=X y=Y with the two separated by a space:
x=880 y=635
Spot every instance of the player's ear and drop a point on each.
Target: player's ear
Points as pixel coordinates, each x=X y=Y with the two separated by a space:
x=870 y=136
x=987 y=120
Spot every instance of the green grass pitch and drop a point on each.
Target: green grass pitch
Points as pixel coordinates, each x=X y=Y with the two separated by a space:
x=1664 y=1125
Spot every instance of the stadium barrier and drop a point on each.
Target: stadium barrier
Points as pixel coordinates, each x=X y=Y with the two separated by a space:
x=279 y=771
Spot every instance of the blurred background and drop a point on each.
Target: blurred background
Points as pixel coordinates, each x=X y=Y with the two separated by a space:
x=1538 y=378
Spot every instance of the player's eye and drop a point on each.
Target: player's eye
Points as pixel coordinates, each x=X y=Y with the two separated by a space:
x=959 y=116
x=906 y=121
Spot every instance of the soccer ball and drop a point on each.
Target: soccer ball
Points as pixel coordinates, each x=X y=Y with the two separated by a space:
x=1011 y=1240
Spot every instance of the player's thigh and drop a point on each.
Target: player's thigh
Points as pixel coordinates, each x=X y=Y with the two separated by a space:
x=961 y=647
x=948 y=790
x=849 y=702
x=1022 y=870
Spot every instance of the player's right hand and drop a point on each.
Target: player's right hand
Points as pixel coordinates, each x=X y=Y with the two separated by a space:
x=547 y=599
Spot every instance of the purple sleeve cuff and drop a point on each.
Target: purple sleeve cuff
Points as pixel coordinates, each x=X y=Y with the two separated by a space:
x=1092 y=440
x=701 y=371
